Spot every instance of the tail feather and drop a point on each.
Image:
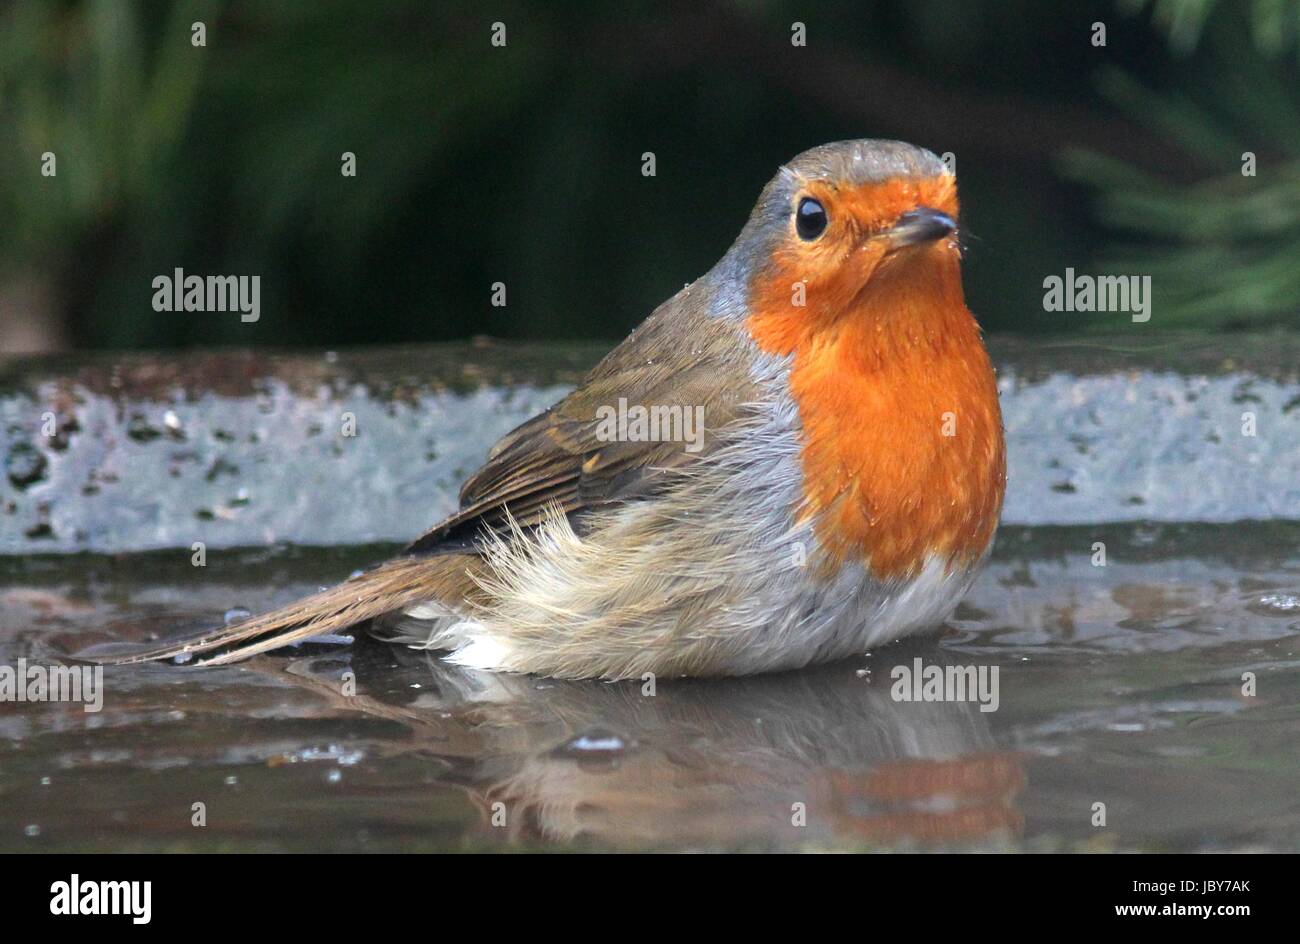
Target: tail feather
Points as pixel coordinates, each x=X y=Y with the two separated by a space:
x=390 y=586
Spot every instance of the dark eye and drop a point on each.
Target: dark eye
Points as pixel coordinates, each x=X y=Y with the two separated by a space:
x=810 y=219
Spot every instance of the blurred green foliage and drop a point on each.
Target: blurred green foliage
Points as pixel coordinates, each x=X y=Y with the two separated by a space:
x=1223 y=250
x=522 y=164
x=1274 y=24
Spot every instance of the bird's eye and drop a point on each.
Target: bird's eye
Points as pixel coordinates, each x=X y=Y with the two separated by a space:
x=810 y=219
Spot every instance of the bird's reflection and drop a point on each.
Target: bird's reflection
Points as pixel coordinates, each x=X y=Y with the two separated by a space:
x=822 y=755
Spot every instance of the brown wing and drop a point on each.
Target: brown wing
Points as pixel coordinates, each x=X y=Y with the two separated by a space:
x=679 y=357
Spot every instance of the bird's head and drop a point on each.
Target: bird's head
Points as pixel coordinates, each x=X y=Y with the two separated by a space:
x=864 y=229
x=849 y=272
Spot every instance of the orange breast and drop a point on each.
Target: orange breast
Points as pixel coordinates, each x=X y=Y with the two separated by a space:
x=903 y=454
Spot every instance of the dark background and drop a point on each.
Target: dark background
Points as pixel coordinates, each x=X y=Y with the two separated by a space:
x=522 y=164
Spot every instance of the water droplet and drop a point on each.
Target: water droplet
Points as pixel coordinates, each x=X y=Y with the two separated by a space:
x=1276 y=604
x=232 y=780
x=334 y=776
x=236 y=614
x=45 y=781
x=32 y=830
x=597 y=741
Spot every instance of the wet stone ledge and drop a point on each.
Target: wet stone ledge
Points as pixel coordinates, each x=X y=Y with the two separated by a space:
x=116 y=453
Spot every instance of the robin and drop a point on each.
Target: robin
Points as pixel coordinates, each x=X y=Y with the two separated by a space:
x=840 y=492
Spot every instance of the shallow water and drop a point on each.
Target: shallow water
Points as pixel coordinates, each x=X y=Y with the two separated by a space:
x=1119 y=685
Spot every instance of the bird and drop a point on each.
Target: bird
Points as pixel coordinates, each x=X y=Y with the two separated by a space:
x=795 y=459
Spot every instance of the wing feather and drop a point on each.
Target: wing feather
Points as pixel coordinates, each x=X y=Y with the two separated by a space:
x=679 y=357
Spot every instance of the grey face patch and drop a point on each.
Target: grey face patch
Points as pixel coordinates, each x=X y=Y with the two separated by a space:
x=842 y=162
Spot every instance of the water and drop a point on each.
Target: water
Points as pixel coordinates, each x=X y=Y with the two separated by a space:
x=1119 y=685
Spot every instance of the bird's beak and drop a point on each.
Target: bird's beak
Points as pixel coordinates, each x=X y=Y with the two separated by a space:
x=922 y=225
